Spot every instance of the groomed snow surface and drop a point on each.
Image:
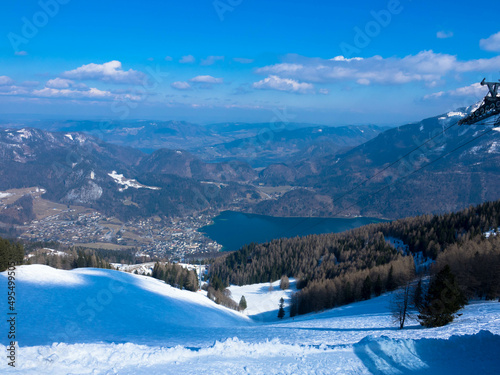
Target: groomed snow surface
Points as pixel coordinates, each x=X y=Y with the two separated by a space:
x=93 y=321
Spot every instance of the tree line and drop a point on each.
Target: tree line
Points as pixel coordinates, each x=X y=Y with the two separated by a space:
x=335 y=269
x=176 y=276
x=10 y=253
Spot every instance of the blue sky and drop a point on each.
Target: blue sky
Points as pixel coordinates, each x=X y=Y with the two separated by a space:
x=383 y=62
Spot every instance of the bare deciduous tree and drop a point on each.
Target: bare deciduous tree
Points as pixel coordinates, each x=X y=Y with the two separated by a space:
x=401 y=304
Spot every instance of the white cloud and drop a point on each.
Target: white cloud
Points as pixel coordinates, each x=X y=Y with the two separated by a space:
x=491 y=44
x=59 y=83
x=168 y=58
x=324 y=91
x=21 y=53
x=181 y=85
x=475 y=90
x=108 y=72
x=14 y=90
x=9 y=88
x=207 y=79
x=342 y=58
x=91 y=93
x=480 y=65
x=444 y=34
x=210 y=60
x=243 y=60
x=283 y=84
x=63 y=88
x=189 y=59
x=4 y=80
x=426 y=66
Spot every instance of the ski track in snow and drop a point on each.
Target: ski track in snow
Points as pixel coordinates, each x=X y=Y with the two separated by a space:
x=139 y=325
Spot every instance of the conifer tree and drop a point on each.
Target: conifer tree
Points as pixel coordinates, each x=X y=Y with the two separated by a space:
x=377 y=288
x=391 y=284
x=294 y=305
x=281 y=311
x=444 y=298
x=243 y=303
x=366 y=290
x=418 y=296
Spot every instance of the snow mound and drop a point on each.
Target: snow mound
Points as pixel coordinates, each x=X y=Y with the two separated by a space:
x=44 y=276
x=97 y=305
x=120 y=358
x=467 y=354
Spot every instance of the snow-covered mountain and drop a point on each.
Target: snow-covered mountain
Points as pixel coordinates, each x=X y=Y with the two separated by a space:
x=92 y=321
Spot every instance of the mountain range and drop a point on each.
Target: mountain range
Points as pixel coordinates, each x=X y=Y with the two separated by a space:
x=327 y=171
x=456 y=166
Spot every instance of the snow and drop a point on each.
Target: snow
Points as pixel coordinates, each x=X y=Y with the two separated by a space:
x=128 y=182
x=23 y=133
x=69 y=136
x=492 y=232
x=92 y=321
x=461 y=114
x=262 y=304
x=475 y=149
x=4 y=195
x=494 y=148
x=398 y=244
x=142 y=268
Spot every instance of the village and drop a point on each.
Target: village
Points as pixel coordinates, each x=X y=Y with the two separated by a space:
x=172 y=238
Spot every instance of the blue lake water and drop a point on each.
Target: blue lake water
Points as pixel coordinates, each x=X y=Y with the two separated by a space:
x=235 y=229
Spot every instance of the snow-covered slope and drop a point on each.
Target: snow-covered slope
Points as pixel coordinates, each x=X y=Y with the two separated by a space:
x=263 y=302
x=92 y=305
x=156 y=329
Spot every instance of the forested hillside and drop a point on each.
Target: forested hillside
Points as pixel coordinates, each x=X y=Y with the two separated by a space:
x=335 y=269
x=10 y=254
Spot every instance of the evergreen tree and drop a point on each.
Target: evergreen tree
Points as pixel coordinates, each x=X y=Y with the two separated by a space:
x=243 y=303
x=444 y=298
x=366 y=290
x=391 y=283
x=418 y=296
x=377 y=288
x=348 y=295
x=294 y=306
x=281 y=311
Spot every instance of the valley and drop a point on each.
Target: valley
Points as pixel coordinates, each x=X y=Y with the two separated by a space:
x=249 y=187
x=116 y=197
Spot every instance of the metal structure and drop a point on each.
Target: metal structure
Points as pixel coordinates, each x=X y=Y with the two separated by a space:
x=489 y=108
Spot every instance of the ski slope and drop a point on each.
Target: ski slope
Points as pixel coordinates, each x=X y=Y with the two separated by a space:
x=142 y=326
x=262 y=301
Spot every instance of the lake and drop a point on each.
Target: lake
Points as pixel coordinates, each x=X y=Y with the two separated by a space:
x=235 y=229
